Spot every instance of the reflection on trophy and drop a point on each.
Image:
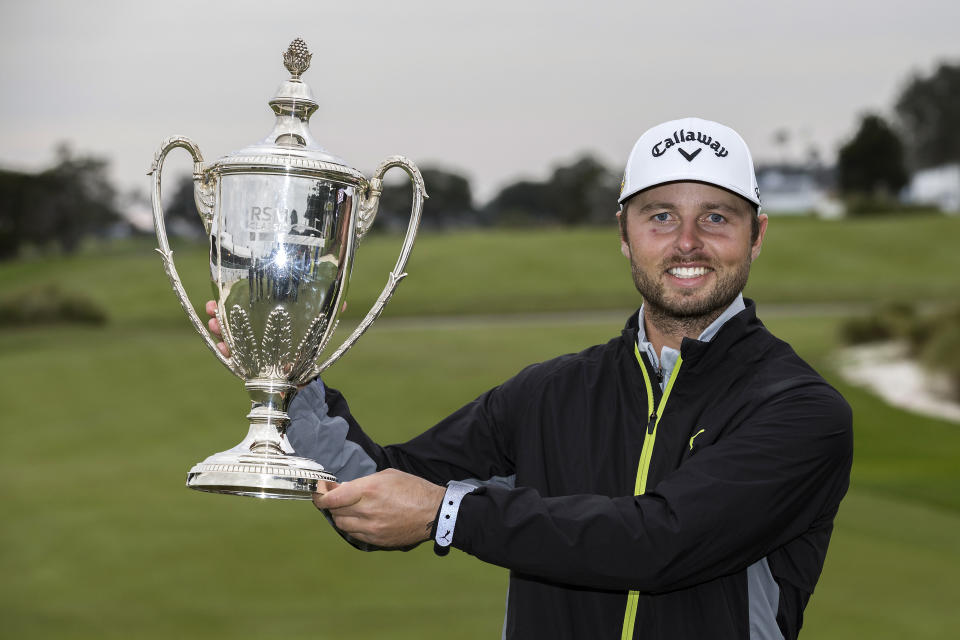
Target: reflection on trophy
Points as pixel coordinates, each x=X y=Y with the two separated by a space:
x=284 y=218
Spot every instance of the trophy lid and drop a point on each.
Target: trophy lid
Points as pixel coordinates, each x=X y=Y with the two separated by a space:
x=290 y=144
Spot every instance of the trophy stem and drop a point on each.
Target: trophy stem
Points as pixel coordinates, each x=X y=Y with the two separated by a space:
x=267 y=420
x=263 y=465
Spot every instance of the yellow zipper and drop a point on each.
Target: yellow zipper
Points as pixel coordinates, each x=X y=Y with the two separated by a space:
x=643 y=468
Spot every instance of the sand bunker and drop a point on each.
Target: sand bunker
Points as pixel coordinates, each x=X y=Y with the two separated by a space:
x=886 y=370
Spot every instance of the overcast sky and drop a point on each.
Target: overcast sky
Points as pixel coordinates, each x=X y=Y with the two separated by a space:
x=497 y=90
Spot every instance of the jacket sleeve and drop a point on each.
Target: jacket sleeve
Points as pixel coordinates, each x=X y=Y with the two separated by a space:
x=467 y=444
x=781 y=471
x=322 y=429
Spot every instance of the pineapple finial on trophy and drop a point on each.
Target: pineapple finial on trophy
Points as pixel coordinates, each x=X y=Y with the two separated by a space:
x=297 y=58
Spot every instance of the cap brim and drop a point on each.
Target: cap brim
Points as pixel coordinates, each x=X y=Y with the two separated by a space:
x=751 y=198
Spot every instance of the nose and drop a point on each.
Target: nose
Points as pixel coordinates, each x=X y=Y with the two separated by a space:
x=688 y=239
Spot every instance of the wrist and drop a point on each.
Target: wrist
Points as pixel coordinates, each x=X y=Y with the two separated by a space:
x=432 y=512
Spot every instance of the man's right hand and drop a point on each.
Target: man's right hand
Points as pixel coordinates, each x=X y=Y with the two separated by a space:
x=214 y=327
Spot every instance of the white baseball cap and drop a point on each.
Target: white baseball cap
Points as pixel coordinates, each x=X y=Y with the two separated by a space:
x=691 y=149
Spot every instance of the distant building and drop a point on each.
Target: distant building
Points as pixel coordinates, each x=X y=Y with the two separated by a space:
x=793 y=189
x=936 y=186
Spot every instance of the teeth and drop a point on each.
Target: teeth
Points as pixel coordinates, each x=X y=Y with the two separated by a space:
x=688 y=272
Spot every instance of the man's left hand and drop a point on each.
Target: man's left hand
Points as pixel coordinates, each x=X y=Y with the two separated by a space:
x=387 y=509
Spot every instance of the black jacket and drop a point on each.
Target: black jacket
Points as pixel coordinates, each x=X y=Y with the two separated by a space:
x=631 y=513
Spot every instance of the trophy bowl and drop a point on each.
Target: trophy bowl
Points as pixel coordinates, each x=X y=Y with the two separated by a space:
x=284 y=218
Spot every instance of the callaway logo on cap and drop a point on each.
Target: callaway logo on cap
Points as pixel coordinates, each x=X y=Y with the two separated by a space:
x=691 y=149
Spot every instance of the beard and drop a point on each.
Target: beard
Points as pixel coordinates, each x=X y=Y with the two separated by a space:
x=690 y=307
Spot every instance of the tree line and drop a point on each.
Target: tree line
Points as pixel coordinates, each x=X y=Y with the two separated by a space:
x=877 y=160
x=582 y=191
x=56 y=208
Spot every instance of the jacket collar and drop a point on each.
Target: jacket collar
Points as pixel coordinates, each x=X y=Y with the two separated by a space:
x=693 y=350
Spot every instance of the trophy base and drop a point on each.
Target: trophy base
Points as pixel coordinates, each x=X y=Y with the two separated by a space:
x=258 y=475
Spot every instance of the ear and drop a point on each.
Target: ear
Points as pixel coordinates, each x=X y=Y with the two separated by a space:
x=755 y=249
x=621 y=225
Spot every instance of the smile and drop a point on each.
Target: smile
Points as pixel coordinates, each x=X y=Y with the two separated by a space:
x=688 y=272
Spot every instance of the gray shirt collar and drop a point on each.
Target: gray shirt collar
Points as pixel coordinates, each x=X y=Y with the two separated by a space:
x=667 y=359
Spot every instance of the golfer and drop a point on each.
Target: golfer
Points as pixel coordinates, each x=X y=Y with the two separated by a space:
x=679 y=481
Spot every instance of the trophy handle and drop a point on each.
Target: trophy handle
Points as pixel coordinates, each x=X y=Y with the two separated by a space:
x=368 y=211
x=205 y=199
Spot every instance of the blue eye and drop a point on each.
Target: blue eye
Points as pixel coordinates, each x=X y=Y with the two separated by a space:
x=715 y=218
x=662 y=217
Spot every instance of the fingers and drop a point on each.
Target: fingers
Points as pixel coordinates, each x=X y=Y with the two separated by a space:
x=214 y=325
x=337 y=496
x=323 y=487
x=326 y=486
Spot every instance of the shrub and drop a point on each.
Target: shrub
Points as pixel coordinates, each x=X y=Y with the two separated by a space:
x=49 y=305
x=942 y=353
x=894 y=321
x=863 y=205
x=863 y=330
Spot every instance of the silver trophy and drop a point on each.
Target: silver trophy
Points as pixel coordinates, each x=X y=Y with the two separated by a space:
x=284 y=218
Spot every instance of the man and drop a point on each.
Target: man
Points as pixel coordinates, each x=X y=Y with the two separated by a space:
x=679 y=481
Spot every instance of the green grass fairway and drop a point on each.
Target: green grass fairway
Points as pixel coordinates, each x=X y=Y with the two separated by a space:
x=100 y=539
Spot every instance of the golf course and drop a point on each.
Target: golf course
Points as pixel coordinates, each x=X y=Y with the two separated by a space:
x=99 y=538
